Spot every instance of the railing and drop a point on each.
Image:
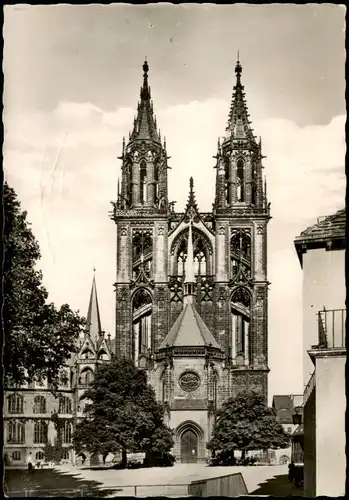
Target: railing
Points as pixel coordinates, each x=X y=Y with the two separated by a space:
x=309 y=388
x=331 y=328
x=138 y=490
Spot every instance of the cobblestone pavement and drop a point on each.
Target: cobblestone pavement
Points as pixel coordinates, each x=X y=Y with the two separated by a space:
x=259 y=480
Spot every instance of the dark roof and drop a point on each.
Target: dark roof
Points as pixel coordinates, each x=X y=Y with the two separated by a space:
x=283 y=402
x=328 y=230
x=189 y=330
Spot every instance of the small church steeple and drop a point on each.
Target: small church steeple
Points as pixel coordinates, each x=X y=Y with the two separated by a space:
x=94 y=329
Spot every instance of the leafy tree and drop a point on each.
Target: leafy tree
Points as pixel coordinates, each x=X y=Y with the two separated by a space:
x=38 y=337
x=55 y=452
x=245 y=423
x=123 y=414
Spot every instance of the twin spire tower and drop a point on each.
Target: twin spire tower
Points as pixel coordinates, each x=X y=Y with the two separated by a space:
x=191 y=287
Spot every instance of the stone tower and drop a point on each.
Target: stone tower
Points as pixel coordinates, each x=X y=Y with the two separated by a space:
x=191 y=287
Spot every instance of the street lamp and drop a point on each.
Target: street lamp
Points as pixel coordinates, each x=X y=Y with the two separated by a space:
x=297 y=417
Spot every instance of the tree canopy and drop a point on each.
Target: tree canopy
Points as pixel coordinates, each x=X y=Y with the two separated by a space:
x=245 y=423
x=39 y=338
x=123 y=413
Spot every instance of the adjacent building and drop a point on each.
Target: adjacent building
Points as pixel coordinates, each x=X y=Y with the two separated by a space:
x=321 y=251
x=28 y=410
x=285 y=407
x=192 y=287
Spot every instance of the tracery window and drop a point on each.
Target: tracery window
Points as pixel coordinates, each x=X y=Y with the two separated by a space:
x=86 y=377
x=143 y=181
x=241 y=314
x=202 y=253
x=65 y=405
x=40 y=432
x=39 y=455
x=254 y=183
x=16 y=455
x=142 y=314
x=142 y=251
x=39 y=404
x=16 y=432
x=227 y=180
x=66 y=432
x=240 y=180
x=15 y=403
x=240 y=252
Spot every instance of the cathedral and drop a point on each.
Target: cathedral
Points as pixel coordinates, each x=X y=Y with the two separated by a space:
x=191 y=287
x=191 y=294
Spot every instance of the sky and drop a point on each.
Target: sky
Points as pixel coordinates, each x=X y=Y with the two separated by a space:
x=72 y=76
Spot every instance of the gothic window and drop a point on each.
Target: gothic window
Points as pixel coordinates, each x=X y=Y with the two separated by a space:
x=202 y=253
x=15 y=403
x=240 y=252
x=40 y=432
x=240 y=180
x=143 y=181
x=102 y=355
x=241 y=314
x=66 y=432
x=64 y=378
x=39 y=455
x=86 y=377
x=39 y=404
x=87 y=354
x=142 y=315
x=142 y=252
x=156 y=182
x=227 y=180
x=64 y=405
x=16 y=432
x=66 y=455
x=254 y=184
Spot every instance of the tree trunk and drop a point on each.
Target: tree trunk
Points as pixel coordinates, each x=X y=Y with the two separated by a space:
x=243 y=454
x=124 y=458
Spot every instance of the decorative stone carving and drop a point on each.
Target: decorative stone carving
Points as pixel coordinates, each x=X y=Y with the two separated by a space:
x=161 y=230
x=260 y=229
x=124 y=294
x=189 y=381
x=123 y=231
x=221 y=293
x=221 y=230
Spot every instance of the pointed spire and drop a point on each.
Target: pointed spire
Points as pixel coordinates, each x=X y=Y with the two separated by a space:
x=94 y=328
x=239 y=126
x=145 y=123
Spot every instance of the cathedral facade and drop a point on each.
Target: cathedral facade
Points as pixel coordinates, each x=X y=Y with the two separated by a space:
x=191 y=287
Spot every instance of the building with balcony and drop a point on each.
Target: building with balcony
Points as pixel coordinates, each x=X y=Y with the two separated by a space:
x=28 y=410
x=321 y=250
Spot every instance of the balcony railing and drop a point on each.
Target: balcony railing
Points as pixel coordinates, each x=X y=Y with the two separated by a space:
x=331 y=325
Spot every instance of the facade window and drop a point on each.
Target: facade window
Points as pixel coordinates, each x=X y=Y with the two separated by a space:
x=86 y=377
x=142 y=314
x=64 y=378
x=143 y=182
x=15 y=403
x=241 y=304
x=240 y=251
x=202 y=251
x=40 y=432
x=16 y=433
x=66 y=455
x=64 y=405
x=40 y=455
x=240 y=180
x=66 y=432
x=16 y=455
x=39 y=404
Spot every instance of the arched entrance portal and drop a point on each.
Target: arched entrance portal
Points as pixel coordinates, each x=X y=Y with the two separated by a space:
x=189 y=447
x=189 y=442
